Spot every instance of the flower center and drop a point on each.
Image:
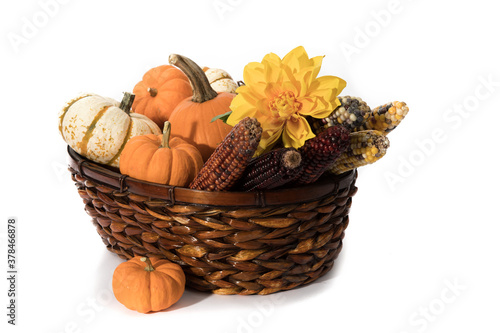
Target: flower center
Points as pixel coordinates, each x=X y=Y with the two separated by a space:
x=285 y=106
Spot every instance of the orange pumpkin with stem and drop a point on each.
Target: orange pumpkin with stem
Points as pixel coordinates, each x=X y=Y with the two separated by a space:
x=159 y=159
x=159 y=92
x=144 y=285
x=192 y=118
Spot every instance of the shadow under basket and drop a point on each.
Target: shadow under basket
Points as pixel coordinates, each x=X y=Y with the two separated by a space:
x=226 y=242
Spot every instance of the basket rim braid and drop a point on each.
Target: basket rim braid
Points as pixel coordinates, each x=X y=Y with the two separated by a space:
x=178 y=195
x=227 y=243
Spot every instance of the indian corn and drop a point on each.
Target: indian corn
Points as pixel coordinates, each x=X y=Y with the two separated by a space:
x=319 y=153
x=227 y=163
x=351 y=113
x=271 y=170
x=385 y=118
x=366 y=147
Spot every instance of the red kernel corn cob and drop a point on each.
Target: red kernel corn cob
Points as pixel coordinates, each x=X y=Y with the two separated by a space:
x=320 y=153
x=227 y=163
x=385 y=118
x=366 y=147
x=271 y=170
x=351 y=113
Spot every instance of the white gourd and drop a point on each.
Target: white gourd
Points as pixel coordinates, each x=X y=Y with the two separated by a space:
x=96 y=127
x=220 y=80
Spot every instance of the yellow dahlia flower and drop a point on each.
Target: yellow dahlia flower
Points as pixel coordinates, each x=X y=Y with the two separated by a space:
x=280 y=93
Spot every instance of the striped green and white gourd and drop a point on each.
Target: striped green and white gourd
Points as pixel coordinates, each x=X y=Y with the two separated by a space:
x=99 y=127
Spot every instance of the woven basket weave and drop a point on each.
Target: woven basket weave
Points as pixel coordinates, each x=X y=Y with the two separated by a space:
x=226 y=242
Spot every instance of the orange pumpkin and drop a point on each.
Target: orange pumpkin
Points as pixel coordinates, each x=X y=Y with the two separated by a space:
x=159 y=159
x=146 y=285
x=159 y=92
x=192 y=118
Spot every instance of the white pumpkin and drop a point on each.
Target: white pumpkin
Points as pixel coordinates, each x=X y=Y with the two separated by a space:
x=96 y=127
x=220 y=80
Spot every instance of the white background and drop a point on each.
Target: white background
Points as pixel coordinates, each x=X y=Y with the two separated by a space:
x=434 y=226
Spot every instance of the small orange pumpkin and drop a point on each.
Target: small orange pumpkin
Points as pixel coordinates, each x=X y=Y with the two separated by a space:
x=192 y=118
x=159 y=92
x=159 y=159
x=146 y=285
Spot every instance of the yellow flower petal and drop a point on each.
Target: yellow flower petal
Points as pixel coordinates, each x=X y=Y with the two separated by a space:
x=297 y=59
x=296 y=133
x=272 y=68
x=306 y=79
x=272 y=59
x=292 y=86
x=248 y=94
x=292 y=83
x=262 y=107
x=317 y=61
x=257 y=90
x=336 y=103
x=309 y=104
x=268 y=140
x=272 y=90
x=315 y=107
x=241 y=109
x=253 y=73
x=329 y=82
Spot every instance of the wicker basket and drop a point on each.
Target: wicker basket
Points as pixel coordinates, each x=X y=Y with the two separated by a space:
x=226 y=242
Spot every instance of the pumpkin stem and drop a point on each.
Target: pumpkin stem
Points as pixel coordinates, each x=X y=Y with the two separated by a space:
x=127 y=101
x=166 y=135
x=153 y=92
x=202 y=91
x=149 y=265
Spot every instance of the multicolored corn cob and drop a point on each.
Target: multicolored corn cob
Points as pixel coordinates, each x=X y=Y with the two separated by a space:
x=319 y=153
x=227 y=163
x=271 y=170
x=385 y=118
x=366 y=147
x=351 y=113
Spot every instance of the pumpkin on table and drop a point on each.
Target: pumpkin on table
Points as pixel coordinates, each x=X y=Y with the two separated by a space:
x=148 y=284
x=99 y=127
x=191 y=119
x=160 y=159
x=159 y=92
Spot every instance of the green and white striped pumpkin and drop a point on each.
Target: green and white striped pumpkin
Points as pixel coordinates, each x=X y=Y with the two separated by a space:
x=97 y=128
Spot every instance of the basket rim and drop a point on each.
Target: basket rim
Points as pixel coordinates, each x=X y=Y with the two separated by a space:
x=102 y=175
